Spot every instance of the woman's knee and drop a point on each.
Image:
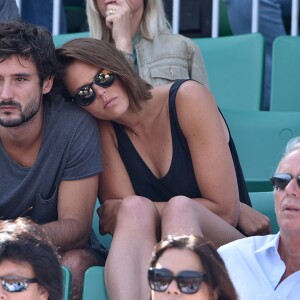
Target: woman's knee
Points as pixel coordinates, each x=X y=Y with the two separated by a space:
x=136 y=209
x=176 y=206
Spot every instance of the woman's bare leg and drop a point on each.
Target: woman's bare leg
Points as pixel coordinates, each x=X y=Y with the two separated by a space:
x=135 y=235
x=182 y=215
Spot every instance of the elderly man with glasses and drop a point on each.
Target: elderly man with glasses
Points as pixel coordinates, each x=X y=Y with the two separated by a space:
x=269 y=266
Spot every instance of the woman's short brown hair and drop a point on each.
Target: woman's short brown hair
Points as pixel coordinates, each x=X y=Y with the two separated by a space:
x=105 y=56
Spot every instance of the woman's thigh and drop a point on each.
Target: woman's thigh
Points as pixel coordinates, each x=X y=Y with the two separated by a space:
x=183 y=215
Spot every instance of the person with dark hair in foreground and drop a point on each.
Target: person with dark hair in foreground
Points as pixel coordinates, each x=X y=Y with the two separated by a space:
x=50 y=154
x=188 y=267
x=29 y=265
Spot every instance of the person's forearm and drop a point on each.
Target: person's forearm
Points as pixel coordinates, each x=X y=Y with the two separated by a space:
x=66 y=234
x=229 y=212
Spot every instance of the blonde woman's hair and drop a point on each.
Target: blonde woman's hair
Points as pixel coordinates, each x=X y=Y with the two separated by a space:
x=153 y=21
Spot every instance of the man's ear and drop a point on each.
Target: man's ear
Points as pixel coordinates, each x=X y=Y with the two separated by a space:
x=47 y=85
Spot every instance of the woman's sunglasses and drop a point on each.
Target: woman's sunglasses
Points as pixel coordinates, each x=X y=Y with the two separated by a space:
x=188 y=282
x=16 y=284
x=86 y=94
x=281 y=180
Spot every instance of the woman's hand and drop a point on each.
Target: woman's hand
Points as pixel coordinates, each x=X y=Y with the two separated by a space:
x=251 y=222
x=107 y=213
x=118 y=20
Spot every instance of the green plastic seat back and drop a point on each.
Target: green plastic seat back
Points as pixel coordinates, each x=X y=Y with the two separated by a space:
x=61 y=39
x=260 y=139
x=106 y=239
x=94 y=284
x=67 y=283
x=264 y=203
x=285 y=85
x=235 y=67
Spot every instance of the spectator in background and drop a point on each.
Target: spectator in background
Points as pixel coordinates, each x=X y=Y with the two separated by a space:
x=41 y=13
x=188 y=267
x=268 y=267
x=271 y=24
x=29 y=265
x=139 y=29
x=8 y=10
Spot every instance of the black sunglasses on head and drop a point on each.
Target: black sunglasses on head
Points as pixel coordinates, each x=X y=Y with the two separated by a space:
x=86 y=94
x=188 y=282
x=281 y=180
x=14 y=284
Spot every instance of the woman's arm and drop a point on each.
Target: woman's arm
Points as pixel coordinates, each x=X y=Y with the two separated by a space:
x=114 y=181
x=207 y=137
x=119 y=21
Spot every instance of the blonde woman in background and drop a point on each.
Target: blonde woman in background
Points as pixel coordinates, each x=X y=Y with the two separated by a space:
x=139 y=29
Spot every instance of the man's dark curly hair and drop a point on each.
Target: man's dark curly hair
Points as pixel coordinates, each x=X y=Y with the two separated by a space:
x=29 y=42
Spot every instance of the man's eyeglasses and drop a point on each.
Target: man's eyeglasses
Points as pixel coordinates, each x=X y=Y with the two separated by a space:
x=188 y=282
x=14 y=284
x=281 y=180
x=86 y=94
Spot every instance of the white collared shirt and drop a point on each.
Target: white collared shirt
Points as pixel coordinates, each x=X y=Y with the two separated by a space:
x=255 y=268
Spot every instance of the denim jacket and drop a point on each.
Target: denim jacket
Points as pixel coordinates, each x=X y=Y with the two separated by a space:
x=169 y=57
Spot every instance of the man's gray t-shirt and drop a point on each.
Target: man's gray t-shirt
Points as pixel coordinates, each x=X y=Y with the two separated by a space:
x=70 y=150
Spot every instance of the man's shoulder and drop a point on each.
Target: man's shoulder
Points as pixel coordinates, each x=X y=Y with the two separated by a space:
x=62 y=110
x=246 y=244
x=167 y=39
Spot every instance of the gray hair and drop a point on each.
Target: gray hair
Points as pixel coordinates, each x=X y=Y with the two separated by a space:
x=292 y=145
x=153 y=21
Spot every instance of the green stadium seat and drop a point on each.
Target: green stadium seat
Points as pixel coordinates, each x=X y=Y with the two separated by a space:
x=67 y=283
x=105 y=240
x=75 y=15
x=260 y=138
x=94 y=284
x=285 y=87
x=61 y=39
x=264 y=203
x=235 y=67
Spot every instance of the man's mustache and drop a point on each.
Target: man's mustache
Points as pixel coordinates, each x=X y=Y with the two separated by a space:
x=10 y=103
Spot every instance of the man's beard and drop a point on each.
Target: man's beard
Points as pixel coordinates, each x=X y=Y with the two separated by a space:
x=29 y=112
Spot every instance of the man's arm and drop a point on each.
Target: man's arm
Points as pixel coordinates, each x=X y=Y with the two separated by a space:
x=76 y=202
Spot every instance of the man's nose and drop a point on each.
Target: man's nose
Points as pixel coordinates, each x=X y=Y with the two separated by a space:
x=293 y=188
x=6 y=91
